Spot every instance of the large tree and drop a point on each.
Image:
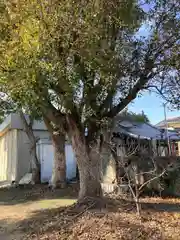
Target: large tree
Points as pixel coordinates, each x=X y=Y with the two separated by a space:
x=16 y=68
x=85 y=62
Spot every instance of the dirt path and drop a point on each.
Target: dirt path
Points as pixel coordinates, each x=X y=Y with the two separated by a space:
x=12 y=217
x=19 y=205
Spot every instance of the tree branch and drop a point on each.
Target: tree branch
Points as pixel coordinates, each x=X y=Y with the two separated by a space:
x=152 y=179
x=131 y=96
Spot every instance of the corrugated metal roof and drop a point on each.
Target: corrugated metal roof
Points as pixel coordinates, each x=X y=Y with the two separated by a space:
x=169 y=120
x=144 y=130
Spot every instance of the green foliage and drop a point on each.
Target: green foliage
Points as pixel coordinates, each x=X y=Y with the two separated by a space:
x=87 y=59
x=137 y=117
x=141 y=117
x=6 y=106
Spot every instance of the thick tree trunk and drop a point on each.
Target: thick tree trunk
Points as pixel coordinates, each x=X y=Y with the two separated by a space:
x=88 y=164
x=89 y=172
x=35 y=164
x=58 y=179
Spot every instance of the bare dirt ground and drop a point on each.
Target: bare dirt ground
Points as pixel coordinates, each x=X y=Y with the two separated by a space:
x=19 y=204
x=40 y=213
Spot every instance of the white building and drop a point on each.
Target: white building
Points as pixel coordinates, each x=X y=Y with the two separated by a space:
x=15 y=151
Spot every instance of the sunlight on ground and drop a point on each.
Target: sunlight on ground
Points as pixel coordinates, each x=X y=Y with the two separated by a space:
x=51 y=203
x=10 y=215
x=23 y=210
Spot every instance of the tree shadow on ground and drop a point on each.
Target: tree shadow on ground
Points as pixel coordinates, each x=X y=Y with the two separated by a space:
x=83 y=222
x=29 y=193
x=116 y=219
x=161 y=207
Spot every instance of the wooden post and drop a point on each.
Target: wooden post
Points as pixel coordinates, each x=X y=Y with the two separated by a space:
x=178 y=148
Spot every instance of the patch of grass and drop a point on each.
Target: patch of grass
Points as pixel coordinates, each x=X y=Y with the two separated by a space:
x=53 y=203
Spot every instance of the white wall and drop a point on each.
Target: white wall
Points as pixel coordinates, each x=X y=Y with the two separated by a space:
x=42 y=134
x=46 y=154
x=15 y=156
x=24 y=158
x=8 y=156
x=23 y=146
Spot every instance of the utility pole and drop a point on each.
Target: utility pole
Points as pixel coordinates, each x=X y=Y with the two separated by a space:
x=166 y=123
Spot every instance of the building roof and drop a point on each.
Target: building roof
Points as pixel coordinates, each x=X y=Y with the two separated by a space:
x=13 y=121
x=169 y=120
x=144 y=130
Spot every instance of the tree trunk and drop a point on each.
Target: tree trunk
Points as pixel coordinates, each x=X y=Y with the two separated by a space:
x=35 y=167
x=58 y=179
x=88 y=164
x=35 y=164
x=89 y=172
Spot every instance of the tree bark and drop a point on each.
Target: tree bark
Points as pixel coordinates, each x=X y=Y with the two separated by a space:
x=88 y=161
x=35 y=164
x=58 y=179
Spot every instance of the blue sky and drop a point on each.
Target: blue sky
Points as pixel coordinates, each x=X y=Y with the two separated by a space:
x=152 y=106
